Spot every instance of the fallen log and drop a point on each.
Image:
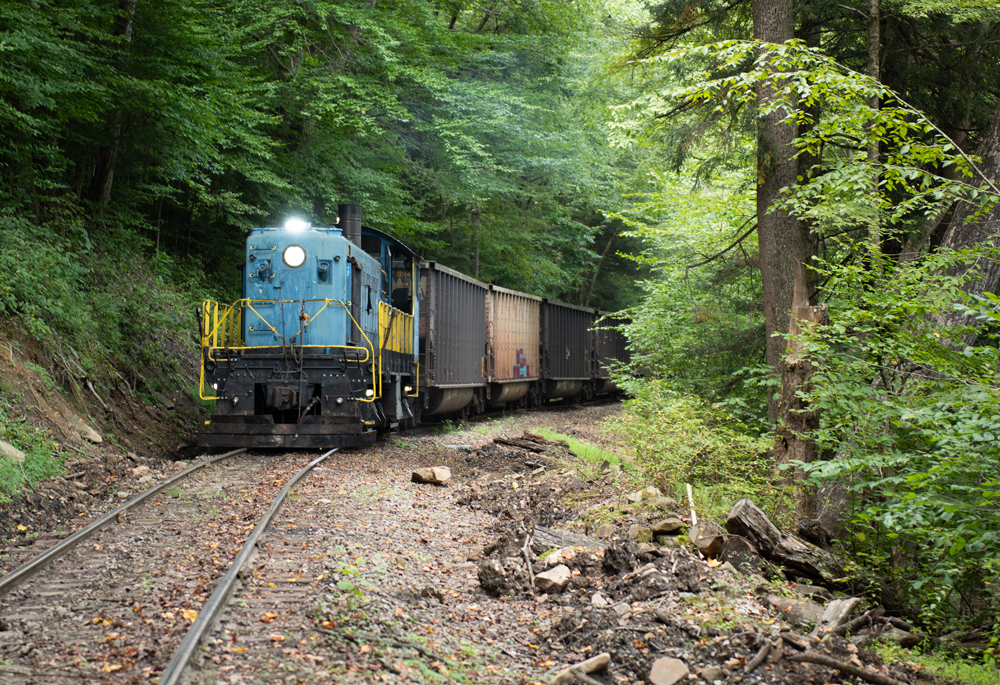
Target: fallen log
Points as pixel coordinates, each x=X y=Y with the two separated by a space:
x=850 y=669
x=520 y=444
x=758 y=658
x=579 y=672
x=803 y=558
x=544 y=539
x=862 y=621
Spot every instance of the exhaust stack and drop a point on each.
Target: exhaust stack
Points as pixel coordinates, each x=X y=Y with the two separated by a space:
x=350 y=222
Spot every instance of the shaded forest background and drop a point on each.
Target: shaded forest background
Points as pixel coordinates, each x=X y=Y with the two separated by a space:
x=649 y=157
x=163 y=131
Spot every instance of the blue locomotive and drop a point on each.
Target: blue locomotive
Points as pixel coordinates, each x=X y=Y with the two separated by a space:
x=342 y=332
x=321 y=349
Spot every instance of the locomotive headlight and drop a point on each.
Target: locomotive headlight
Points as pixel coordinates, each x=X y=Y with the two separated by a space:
x=294 y=256
x=369 y=392
x=296 y=224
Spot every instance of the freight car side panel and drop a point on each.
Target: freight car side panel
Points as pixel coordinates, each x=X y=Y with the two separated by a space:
x=611 y=345
x=567 y=341
x=452 y=328
x=512 y=336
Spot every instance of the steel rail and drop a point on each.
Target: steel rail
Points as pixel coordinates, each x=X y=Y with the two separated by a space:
x=215 y=604
x=22 y=573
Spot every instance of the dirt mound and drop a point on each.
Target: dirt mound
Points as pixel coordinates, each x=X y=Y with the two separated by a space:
x=638 y=602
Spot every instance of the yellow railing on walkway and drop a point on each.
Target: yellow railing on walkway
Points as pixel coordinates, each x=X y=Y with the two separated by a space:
x=221 y=325
x=221 y=329
x=395 y=330
x=395 y=334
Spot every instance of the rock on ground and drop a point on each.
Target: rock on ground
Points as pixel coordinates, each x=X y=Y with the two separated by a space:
x=671 y=524
x=667 y=671
x=86 y=432
x=435 y=475
x=8 y=450
x=554 y=580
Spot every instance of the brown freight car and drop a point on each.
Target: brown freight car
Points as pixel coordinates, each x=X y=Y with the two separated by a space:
x=512 y=345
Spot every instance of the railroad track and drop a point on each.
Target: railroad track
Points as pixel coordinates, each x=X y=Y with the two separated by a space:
x=432 y=424
x=130 y=597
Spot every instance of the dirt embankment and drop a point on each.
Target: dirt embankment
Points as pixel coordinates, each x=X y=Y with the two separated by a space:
x=100 y=439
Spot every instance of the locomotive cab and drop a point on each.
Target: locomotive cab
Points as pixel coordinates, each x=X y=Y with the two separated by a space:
x=318 y=352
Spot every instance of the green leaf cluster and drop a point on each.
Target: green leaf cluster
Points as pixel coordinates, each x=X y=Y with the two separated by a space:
x=910 y=417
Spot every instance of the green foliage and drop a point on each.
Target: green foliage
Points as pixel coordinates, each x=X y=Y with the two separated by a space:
x=952 y=669
x=909 y=409
x=91 y=296
x=912 y=415
x=699 y=328
x=679 y=438
x=41 y=458
x=836 y=126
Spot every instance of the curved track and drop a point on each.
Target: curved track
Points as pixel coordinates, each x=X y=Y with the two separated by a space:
x=113 y=601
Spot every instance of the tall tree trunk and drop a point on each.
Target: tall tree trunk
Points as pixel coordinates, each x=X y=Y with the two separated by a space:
x=107 y=158
x=985 y=230
x=798 y=419
x=784 y=241
x=874 y=40
x=597 y=269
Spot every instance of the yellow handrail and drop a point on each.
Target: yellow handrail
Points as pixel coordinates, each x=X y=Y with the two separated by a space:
x=212 y=322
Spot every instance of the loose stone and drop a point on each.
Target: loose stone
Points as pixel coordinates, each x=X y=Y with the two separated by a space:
x=667 y=671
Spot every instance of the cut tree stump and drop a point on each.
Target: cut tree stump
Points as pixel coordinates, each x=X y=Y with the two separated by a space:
x=746 y=559
x=747 y=520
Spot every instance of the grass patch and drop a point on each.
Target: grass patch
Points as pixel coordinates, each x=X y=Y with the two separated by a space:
x=584 y=450
x=592 y=456
x=950 y=668
x=679 y=438
x=41 y=458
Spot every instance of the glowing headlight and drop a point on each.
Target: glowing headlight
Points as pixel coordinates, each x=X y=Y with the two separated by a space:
x=295 y=225
x=294 y=256
x=369 y=392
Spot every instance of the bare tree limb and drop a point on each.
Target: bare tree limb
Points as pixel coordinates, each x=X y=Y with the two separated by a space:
x=863 y=673
x=722 y=252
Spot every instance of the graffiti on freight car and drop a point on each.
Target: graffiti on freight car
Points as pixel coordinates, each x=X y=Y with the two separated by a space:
x=522 y=369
